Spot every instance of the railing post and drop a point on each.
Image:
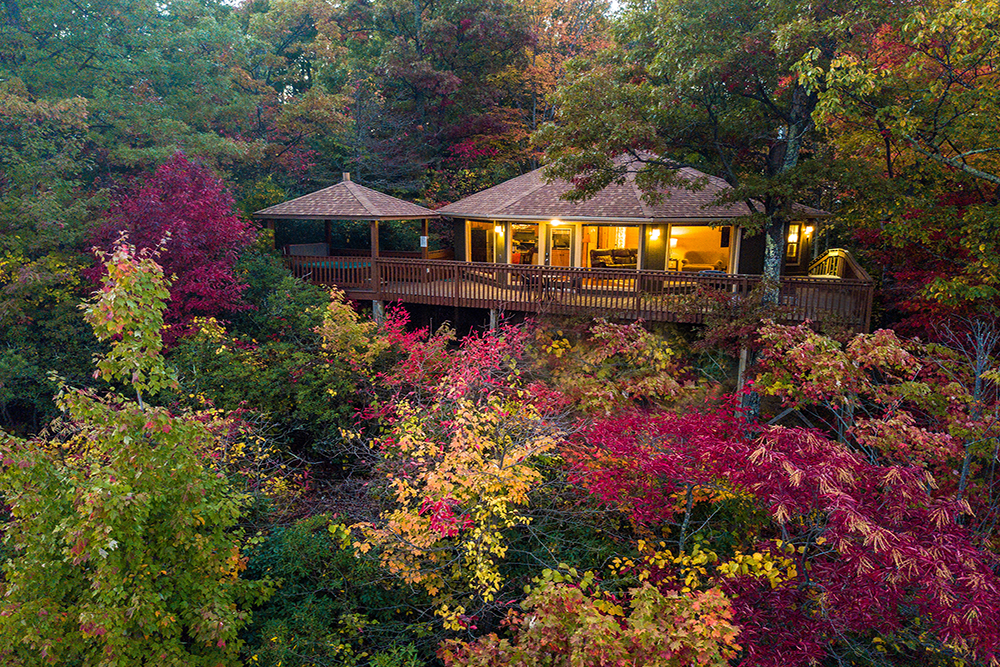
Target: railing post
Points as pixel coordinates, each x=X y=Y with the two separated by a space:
x=376 y=282
x=638 y=295
x=457 y=276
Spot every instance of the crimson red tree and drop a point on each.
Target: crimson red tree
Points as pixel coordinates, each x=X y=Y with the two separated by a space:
x=186 y=211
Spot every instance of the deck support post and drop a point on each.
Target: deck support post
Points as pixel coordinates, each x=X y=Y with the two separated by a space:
x=750 y=400
x=378 y=312
x=744 y=353
x=494 y=319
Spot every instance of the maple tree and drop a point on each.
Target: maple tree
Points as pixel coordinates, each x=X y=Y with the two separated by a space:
x=186 y=211
x=459 y=466
x=124 y=538
x=567 y=624
x=852 y=557
x=911 y=96
x=613 y=368
x=899 y=402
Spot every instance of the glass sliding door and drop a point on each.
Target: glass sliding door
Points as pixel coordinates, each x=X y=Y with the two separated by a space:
x=487 y=241
x=611 y=247
x=524 y=243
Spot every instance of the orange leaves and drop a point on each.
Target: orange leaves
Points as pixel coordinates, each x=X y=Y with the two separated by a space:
x=457 y=490
x=565 y=624
x=458 y=456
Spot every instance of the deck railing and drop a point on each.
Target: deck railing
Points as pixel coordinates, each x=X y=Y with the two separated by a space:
x=651 y=295
x=840 y=263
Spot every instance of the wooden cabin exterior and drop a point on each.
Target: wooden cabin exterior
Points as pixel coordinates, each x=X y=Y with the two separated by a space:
x=520 y=246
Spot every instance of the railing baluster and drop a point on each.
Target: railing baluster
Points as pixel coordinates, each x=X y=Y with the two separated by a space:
x=660 y=295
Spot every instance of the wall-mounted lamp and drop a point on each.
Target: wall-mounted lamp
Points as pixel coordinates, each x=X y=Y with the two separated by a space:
x=498 y=229
x=809 y=230
x=654 y=234
x=673 y=241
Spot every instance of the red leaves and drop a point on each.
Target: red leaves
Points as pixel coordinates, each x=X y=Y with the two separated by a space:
x=876 y=550
x=190 y=212
x=444 y=521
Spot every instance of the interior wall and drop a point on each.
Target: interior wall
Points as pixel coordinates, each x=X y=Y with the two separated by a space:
x=700 y=248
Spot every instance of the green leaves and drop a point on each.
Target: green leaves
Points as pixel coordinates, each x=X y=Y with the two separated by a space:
x=124 y=541
x=124 y=538
x=127 y=312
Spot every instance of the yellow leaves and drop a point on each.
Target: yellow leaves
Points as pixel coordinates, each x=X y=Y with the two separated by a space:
x=457 y=490
x=452 y=617
x=777 y=568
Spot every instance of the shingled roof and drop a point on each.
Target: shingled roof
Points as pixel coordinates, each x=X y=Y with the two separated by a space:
x=530 y=197
x=346 y=201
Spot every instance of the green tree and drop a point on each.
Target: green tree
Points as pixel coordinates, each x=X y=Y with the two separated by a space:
x=158 y=77
x=915 y=98
x=706 y=84
x=43 y=219
x=426 y=77
x=124 y=548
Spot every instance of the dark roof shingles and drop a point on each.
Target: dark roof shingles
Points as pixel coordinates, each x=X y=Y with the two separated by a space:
x=346 y=201
x=530 y=197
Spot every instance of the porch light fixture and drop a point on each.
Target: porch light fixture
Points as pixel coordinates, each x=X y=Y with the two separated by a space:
x=499 y=230
x=673 y=241
x=654 y=234
x=809 y=230
x=555 y=222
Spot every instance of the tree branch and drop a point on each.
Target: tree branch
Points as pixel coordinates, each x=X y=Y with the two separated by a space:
x=952 y=162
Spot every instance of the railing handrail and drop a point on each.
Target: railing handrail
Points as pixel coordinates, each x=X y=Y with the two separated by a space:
x=581 y=270
x=839 y=257
x=647 y=294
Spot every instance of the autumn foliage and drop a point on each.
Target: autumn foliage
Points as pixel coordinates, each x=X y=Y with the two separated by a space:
x=875 y=553
x=187 y=213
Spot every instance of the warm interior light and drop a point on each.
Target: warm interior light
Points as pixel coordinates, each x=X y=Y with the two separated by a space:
x=793 y=237
x=673 y=242
x=498 y=229
x=655 y=234
x=619 y=237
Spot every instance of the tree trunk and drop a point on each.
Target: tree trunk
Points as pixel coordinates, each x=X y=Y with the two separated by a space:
x=774 y=247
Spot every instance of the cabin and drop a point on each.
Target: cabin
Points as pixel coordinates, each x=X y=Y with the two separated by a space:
x=521 y=246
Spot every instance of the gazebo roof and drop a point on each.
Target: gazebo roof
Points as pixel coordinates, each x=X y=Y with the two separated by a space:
x=346 y=201
x=530 y=197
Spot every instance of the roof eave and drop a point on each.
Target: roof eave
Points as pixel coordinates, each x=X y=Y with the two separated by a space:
x=573 y=218
x=299 y=216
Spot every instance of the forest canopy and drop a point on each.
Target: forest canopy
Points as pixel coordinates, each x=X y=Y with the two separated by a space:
x=207 y=461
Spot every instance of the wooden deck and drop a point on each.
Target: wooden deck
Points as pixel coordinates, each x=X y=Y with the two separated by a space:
x=649 y=295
